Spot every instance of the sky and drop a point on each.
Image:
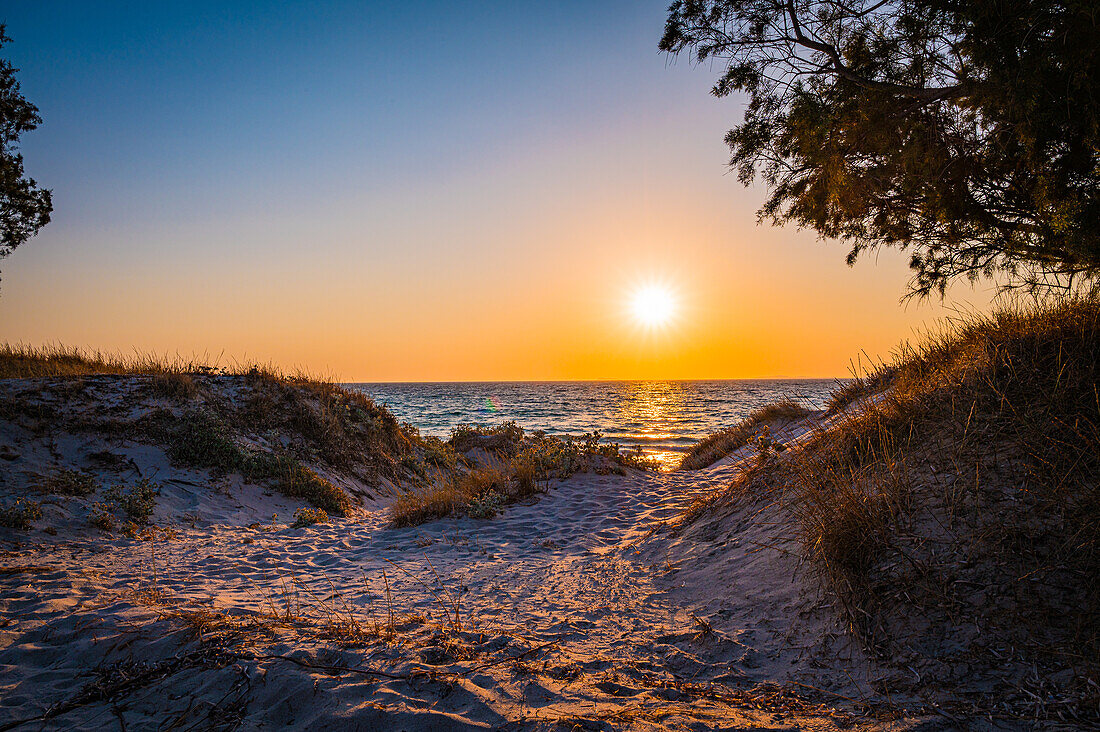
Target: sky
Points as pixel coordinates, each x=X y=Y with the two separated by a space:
x=432 y=191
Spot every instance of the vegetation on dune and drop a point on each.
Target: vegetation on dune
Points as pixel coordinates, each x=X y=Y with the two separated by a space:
x=28 y=362
x=958 y=510
x=860 y=387
x=274 y=426
x=506 y=465
x=308 y=517
x=557 y=456
x=68 y=483
x=713 y=448
x=20 y=515
x=965 y=133
x=206 y=438
x=136 y=502
x=479 y=492
x=131 y=504
x=174 y=386
x=342 y=426
x=266 y=426
x=952 y=499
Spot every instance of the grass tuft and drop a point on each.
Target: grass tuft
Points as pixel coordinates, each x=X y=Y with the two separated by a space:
x=179 y=387
x=711 y=449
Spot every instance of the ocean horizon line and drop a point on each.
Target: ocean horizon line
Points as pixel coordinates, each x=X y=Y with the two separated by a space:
x=604 y=381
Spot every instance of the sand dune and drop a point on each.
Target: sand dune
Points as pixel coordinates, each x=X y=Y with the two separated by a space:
x=580 y=605
x=589 y=607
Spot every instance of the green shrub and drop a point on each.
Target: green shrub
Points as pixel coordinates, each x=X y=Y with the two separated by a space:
x=102 y=517
x=202 y=440
x=21 y=514
x=69 y=483
x=487 y=506
x=439 y=454
x=135 y=502
x=295 y=480
x=637 y=459
x=308 y=517
x=503 y=440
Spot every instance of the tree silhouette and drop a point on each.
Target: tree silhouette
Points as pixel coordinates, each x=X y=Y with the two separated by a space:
x=24 y=207
x=964 y=131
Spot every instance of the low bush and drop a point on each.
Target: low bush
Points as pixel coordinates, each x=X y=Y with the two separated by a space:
x=201 y=439
x=294 y=480
x=20 y=515
x=503 y=440
x=308 y=517
x=102 y=517
x=67 y=482
x=135 y=502
x=521 y=465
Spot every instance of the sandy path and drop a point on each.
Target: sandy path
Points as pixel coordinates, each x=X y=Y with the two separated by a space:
x=580 y=609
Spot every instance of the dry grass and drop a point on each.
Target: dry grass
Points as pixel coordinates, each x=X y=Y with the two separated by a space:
x=26 y=362
x=479 y=493
x=216 y=414
x=858 y=388
x=711 y=449
x=520 y=465
x=956 y=514
x=1015 y=394
x=174 y=386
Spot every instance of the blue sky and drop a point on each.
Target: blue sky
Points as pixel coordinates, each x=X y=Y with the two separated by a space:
x=194 y=100
x=361 y=187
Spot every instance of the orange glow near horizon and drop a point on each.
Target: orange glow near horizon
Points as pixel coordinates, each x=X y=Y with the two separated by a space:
x=774 y=306
x=492 y=216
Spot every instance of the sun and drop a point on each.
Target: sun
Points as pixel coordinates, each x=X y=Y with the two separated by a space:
x=653 y=305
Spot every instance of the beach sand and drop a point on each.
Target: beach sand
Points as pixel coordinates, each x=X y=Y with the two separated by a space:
x=588 y=608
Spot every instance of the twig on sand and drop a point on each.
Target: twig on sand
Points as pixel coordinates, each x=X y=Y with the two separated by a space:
x=449 y=606
x=516 y=657
x=827 y=692
x=323 y=667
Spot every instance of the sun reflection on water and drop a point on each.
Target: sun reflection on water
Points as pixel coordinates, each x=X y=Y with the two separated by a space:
x=649 y=415
x=663 y=417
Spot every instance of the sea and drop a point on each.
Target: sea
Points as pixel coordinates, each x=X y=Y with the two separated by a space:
x=664 y=418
